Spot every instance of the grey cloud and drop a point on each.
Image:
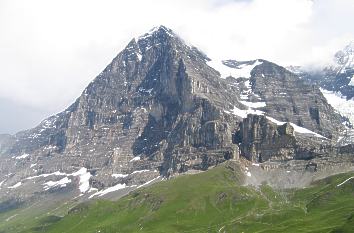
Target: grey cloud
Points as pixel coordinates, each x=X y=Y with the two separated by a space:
x=15 y=117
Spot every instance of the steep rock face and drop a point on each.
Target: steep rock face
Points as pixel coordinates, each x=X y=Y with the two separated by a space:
x=261 y=140
x=273 y=91
x=290 y=99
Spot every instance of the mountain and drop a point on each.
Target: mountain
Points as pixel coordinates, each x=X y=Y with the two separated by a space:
x=335 y=80
x=163 y=108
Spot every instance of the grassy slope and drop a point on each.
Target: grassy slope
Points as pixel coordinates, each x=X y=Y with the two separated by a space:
x=214 y=201
x=36 y=214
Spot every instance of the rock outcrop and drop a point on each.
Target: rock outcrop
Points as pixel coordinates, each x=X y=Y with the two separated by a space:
x=261 y=140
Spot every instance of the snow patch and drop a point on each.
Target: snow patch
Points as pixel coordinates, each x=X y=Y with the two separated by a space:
x=11 y=217
x=345 y=181
x=243 y=70
x=247 y=172
x=61 y=183
x=15 y=185
x=22 y=156
x=253 y=104
x=119 y=175
x=147 y=91
x=139 y=171
x=297 y=128
x=57 y=173
x=240 y=71
x=92 y=190
x=148 y=182
x=109 y=190
x=82 y=173
x=243 y=113
x=51 y=147
x=84 y=176
x=302 y=130
x=135 y=159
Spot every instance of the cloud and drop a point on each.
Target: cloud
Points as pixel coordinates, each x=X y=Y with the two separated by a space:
x=50 y=50
x=15 y=116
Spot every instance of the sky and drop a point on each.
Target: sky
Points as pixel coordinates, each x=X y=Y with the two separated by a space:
x=51 y=49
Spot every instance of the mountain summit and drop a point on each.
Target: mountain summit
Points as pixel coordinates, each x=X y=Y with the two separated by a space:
x=162 y=108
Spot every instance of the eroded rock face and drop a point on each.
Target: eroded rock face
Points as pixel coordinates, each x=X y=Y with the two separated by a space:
x=261 y=140
x=290 y=99
x=159 y=109
x=280 y=147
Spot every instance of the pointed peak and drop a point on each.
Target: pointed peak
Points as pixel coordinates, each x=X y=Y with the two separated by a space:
x=161 y=28
x=158 y=31
x=158 y=37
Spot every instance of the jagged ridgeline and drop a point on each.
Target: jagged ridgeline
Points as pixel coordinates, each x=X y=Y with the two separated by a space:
x=162 y=108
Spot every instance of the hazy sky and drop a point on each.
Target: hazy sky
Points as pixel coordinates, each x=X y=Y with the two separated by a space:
x=51 y=49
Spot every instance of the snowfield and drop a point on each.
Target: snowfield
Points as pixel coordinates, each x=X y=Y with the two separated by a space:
x=61 y=183
x=243 y=70
x=340 y=103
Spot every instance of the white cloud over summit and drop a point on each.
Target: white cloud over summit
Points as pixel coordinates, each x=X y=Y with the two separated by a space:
x=50 y=49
